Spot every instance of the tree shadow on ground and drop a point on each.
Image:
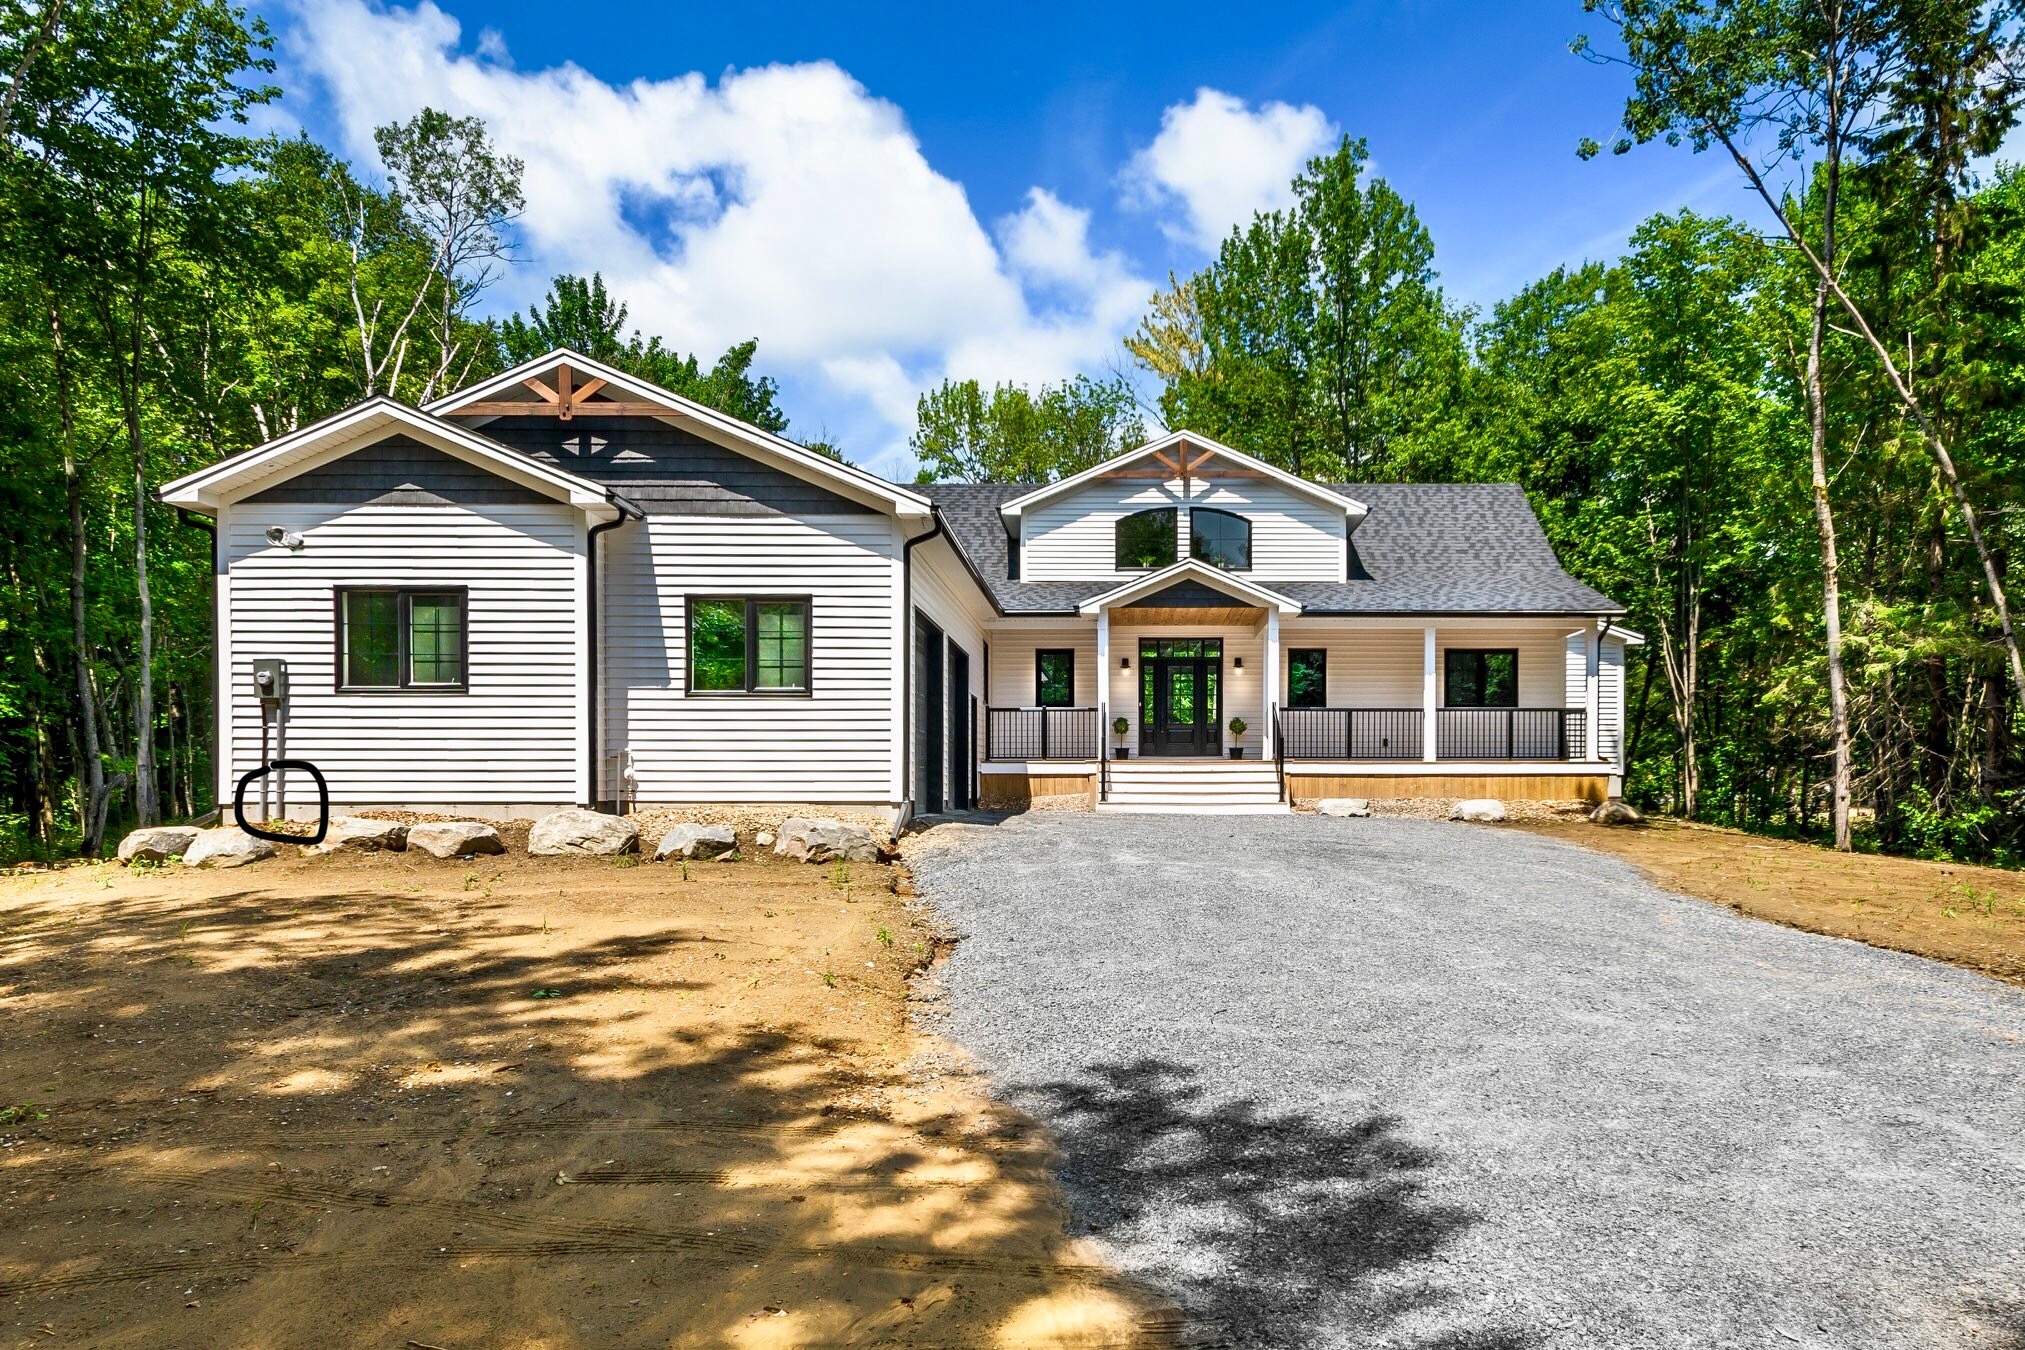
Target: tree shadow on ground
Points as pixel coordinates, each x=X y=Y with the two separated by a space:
x=590 y=1109
x=1270 y=1228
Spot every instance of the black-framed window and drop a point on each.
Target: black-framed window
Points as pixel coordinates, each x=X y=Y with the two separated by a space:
x=1055 y=677
x=393 y=639
x=1145 y=540
x=1220 y=539
x=749 y=644
x=1482 y=677
x=1307 y=677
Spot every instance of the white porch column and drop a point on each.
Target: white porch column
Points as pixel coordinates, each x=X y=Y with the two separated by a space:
x=1271 y=680
x=1591 y=683
x=1428 y=694
x=1103 y=682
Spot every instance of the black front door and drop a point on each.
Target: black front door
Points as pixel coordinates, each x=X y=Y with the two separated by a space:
x=1180 y=687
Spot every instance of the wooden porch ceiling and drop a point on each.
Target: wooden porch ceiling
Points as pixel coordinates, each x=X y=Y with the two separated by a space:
x=1232 y=616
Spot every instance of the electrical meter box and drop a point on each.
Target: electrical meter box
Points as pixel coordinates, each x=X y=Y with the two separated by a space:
x=270 y=679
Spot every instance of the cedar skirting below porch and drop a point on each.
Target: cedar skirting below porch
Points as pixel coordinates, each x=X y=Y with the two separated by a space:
x=1308 y=788
x=1036 y=791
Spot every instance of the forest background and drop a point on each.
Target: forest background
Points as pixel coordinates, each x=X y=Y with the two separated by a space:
x=1794 y=452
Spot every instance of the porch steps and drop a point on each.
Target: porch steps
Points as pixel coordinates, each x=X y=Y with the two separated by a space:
x=1194 y=786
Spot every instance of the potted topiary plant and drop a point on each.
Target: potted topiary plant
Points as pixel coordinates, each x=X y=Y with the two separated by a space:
x=1119 y=726
x=1237 y=729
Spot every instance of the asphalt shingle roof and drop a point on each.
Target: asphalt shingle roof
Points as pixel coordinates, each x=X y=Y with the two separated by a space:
x=1425 y=548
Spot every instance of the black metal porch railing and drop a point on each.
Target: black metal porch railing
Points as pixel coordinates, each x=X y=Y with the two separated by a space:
x=1510 y=733
x=1043 y=733
x=1351 y=733
x=1459 y=733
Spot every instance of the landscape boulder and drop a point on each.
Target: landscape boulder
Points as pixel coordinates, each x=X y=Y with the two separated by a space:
x=821 y=841
x=362 y=834
x=1617 y=811
x=158 y=844
x=1344 y=806
x=455 y=838
x=226 y=846
x=575 y=830
x=697 y=841
x=1478 y=809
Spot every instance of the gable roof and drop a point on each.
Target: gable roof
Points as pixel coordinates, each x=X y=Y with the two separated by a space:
x=1179 y=442
x=847 y=479
x=342 y=433
x=1187 y=570
x=1422 y=548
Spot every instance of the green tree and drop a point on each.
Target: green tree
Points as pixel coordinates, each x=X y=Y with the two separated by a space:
x=1769 y=81
x=584 y=317
x=1011 y=434
x=1318 y=339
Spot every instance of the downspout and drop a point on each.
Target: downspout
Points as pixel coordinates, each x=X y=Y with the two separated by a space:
x=595 y=633
x=906 y=807
x=190 y=518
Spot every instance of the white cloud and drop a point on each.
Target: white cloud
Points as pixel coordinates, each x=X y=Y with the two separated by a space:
x=1216 y=162
x=783 y=202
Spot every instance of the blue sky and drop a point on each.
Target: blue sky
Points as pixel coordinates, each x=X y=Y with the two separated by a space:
x=887 y=195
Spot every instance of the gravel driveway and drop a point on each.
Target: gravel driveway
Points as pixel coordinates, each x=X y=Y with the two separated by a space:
x=1401 y=1083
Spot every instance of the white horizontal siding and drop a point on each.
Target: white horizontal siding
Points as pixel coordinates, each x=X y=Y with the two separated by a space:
x=1610 y=702
x=834 y=745
x=1294 y=538
x=1012 y=662
x=517 y=736
x=1367 y=667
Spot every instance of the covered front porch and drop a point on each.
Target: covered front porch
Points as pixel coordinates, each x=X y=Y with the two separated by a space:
x=1197 y=665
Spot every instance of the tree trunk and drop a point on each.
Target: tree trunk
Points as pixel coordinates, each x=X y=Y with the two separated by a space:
x=1936 y=443
x=127 y=369
x=91 y=769
x=1831 y=596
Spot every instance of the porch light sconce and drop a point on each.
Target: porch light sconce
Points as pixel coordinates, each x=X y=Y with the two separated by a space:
x=1237 y=663
x=1124 y=663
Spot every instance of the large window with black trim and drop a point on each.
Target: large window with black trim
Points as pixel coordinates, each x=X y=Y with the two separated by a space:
x=1307 y=677
x=1482 y=677
x=1055 y=677
x=1220 y=539
x=1146 y=540
x=748 y=644
x=397 y=640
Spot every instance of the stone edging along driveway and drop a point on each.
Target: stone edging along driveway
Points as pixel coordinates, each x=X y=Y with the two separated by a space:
x=1401 y=1083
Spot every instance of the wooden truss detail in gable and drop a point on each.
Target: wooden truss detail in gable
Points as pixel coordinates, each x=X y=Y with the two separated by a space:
x=564 y=400
x=1185 y=462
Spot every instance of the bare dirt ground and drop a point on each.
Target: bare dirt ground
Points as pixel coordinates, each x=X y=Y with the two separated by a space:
x=385 y=1100
x=1967 y=916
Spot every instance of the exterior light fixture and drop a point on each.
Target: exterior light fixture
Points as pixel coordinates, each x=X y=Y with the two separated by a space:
x=1237 y=663
x=1124 y=663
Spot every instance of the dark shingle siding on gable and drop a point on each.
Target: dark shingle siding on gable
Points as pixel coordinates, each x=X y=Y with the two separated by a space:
x=1425 y=548
x=399 y=471
x=665 y=470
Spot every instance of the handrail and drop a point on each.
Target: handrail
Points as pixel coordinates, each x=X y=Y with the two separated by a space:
x=1280 y=752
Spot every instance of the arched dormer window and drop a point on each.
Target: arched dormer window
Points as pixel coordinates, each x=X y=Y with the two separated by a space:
x=1146 y=540
x=1220 y=539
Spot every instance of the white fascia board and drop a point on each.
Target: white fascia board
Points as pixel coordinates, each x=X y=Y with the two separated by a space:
x=298 y=452
x=856 y=482
x=1187 y=570
x=1350 y=507
x=1631 y=638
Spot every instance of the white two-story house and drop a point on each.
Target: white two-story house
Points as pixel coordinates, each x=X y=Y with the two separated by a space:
x=565 y=585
